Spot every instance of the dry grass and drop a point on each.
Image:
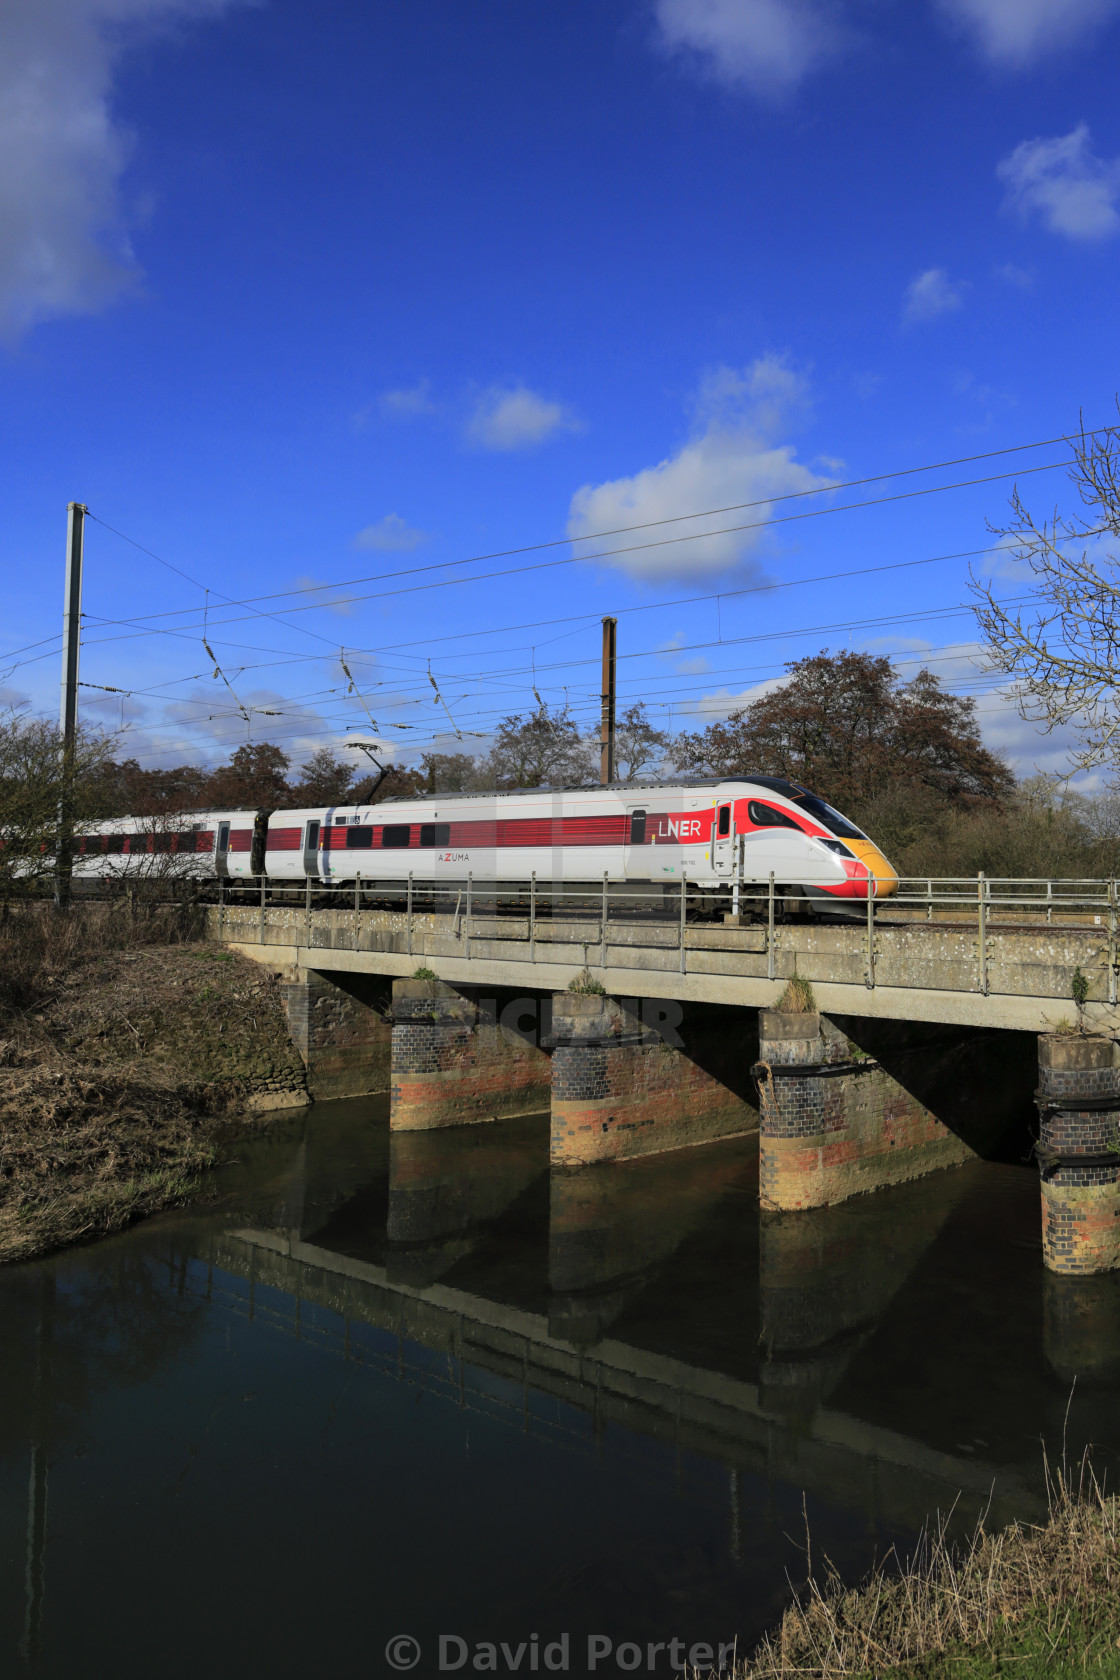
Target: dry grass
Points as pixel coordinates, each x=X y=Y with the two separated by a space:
x=797 y=999
x=124 y=1050
x=1031 y=1599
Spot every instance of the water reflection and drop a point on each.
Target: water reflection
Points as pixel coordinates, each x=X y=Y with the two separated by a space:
x=425 y=1383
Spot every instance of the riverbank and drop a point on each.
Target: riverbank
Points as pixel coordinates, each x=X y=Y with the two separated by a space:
x=128 y=1049
x=1029 y=1601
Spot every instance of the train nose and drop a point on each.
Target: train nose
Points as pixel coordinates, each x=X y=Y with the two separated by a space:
x=881 y=872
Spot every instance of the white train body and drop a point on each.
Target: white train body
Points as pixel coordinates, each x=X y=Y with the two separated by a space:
x=194 y=845
x=709 y=834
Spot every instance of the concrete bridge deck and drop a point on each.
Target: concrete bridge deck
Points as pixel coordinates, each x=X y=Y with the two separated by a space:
x=988 y=972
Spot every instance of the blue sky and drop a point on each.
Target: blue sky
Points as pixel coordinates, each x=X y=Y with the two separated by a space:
x=294 y=294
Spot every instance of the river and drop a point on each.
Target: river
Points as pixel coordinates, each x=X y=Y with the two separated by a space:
x=414 y=1389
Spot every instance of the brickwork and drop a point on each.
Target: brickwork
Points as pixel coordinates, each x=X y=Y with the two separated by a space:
x=832 y=1135
x=1080 y=1202
x=620 y=1090
x=455 y=1064
x=338 y=1025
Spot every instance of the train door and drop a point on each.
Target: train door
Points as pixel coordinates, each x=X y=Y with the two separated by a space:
x=723 y=842
x=637 y=842
x=311 y=848
x=221 y=849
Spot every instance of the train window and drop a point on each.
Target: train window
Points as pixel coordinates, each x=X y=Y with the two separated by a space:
x=114 y=842
x=396 y=835
x=163 y=842
x=766 y=816
x=359 y=839
x=637 y=828
x=724 y=827
x=830 y=818
x=435 y=834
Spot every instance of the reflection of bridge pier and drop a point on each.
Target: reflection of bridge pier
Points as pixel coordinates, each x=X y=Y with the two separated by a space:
x=825 y=1280
x=609 y=1227
x=445 y=1187
x=395 y=1279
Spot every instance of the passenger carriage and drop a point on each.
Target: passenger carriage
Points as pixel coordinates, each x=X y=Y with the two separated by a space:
x=194 y=845
x=645 y=838
x=710 y=834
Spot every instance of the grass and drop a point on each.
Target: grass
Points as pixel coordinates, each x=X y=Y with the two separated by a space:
x=797 y=999
x=1028 y=1601
x=125 y=1051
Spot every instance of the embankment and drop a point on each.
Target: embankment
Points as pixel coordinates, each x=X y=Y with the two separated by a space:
x=128 y=1050
x=1040 y=1602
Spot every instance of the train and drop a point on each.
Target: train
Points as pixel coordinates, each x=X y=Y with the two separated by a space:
x=712 y=834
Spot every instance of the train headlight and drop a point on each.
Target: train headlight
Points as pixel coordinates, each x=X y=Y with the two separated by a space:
x=836 y=846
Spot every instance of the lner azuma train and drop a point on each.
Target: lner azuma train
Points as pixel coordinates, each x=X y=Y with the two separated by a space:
x=713 y=835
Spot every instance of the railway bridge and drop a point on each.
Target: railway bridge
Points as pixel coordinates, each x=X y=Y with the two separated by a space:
x=916 y=1035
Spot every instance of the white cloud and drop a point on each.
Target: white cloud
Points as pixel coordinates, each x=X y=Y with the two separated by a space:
x=321 y=591
x=412 y=400
x=513 y=417
x=391 y=532
x=731 y=458
x=932 y=294
x=1015 y=32
x=715 y=707
x=1071 y=189
x=764 y=45
x=64 y=246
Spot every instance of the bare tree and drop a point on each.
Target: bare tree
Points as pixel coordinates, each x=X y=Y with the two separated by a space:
x=638 y=746
x=544 y=747
x=31 y=776
x=1062 y=651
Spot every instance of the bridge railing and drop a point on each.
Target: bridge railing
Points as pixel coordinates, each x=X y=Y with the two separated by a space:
x=538 y=921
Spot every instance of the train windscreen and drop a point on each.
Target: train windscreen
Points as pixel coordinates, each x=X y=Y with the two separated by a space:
x=831 y=819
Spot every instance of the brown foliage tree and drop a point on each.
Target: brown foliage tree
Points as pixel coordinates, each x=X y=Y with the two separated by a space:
x=845 y=726
x=254 y=776
x=323 y=780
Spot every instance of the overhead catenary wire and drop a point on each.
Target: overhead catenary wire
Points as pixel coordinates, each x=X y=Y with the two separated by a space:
x=287 y=613
x=829 y=487
x=619 y=530
x=142 y=624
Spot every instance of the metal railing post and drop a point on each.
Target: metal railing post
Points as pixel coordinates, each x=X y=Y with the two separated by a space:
x=260 y=940
x=221 y=904
x=357 y=910
x=684 y=919
x=606 y=912
x=982 y=924
x=929 y=899
x=533 y=917
x=470 y=896
x=409 y=924
x=869 y=978
x=1112 y=942
x=307 y=910
x=770 y=932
